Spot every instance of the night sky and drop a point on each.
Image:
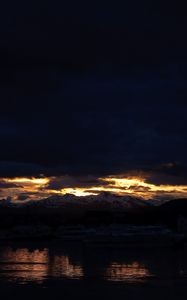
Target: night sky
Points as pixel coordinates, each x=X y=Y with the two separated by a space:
x=92 y=91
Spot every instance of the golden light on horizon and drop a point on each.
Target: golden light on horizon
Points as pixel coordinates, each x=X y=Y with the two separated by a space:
x=123 y=186
x=23 y=185
x=79 y=192
x=40 y=181
x=38 y=188
x=130 y=183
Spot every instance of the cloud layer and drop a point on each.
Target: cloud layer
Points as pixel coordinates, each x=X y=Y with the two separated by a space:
x=93 y=91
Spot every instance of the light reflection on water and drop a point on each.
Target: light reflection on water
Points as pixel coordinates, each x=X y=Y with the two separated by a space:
x=61 y=266
x=127 y=272
x=24 y=264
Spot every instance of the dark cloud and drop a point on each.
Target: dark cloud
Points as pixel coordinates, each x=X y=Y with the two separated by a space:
x=93 y=90
x=67 y=181
x=95 y=125
x=137 y=188
x=17 y=169
x=29 y=195
x=8 y=185
x=23 y=196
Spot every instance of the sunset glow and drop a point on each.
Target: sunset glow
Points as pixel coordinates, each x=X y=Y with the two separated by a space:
x=37 y=188
x=123 y=186
x=39 y=181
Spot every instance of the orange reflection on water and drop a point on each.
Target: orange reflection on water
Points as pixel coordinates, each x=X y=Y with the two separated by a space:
x=61 y=266
x=24 y=265
x=127 y=272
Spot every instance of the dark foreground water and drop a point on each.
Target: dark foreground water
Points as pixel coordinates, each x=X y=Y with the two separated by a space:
x=71 y=270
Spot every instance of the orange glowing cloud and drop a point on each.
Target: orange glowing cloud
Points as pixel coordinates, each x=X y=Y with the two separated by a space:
x=36 y=188
x=123 y=186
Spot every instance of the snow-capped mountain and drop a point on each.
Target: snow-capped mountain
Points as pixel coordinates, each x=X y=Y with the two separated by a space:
x=103 y=200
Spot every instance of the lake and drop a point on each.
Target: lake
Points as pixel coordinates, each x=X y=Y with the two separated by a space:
x=68 y=270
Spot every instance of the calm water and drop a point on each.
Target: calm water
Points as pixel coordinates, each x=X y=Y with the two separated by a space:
x=71 y=270
x=41 y=264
